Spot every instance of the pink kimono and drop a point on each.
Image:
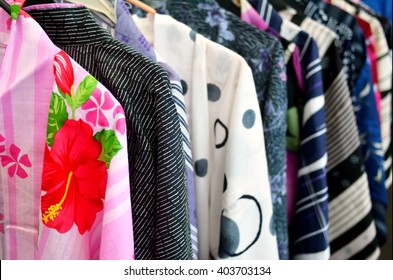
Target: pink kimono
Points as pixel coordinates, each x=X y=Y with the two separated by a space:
x=64 y=182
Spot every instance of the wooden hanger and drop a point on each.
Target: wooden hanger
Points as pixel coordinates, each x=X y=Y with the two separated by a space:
x=143 y=6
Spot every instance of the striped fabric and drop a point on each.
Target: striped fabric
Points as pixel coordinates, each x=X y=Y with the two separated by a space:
x=127 y=32
x=178 y=98
x=350 y=218
x=384 y=78
x=309 y=226
x=157 y=166
x=27 y=84
x=352 y=51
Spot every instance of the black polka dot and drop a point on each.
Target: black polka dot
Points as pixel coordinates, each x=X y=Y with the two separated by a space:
x=201 y=167
x=184 y=86
x=229 y=238
x=220 y=133
x=193 y=35
x=225 y=183
x=214 y=92
x=249 y=119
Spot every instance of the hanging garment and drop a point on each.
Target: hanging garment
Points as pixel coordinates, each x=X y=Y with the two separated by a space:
x=64 y=168
x=157 y=165
x=365 y=116
x=280 y=198
x=384 y=62
x=370 y=44
x=127 y=32
x=346 y=175
x=233 y=194
x=310 y=218
x=350 y=44
x=384 y=77
x=387 y=28
x=263 y=53
x=353 y=46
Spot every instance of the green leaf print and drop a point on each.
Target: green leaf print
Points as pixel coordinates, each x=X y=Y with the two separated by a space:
x=57 y=116
x=110 y=145
x=85 y=90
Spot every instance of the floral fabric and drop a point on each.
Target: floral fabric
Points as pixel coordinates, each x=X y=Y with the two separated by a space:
x=64 y=168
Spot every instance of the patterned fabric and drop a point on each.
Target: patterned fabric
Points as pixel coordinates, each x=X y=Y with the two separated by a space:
x=293 y=70
x=234 y=198
x=372 y=56
x=309 y=227
x=65 y=192
x=387 y=115
x=264 y=55
x=384 y=82
x=376 y=166
x=360 y=223
x=128 y=33
x=156 y=157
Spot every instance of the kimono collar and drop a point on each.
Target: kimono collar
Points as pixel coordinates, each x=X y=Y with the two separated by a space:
x=69 y=25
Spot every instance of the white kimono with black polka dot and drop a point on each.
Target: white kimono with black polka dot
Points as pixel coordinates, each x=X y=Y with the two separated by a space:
x=234 y=206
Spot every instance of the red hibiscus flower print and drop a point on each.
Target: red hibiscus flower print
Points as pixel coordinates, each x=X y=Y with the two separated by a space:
x=15 y=162
x=74 y=179
x=64 y=73
x=2 y=147
x=96 y=105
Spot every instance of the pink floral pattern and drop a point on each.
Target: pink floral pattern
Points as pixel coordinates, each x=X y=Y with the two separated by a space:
x=96 y=105
x=121 y=121
x=76 y=160
x=15 y=162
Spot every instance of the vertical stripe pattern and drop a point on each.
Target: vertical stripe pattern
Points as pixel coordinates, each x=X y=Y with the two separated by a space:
x=127 y=32
x=308 y=230
x=345 y=165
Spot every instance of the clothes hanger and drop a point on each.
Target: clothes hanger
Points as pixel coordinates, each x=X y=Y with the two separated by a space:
x=143 y=6
x=6 y=7
x=37 y=2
